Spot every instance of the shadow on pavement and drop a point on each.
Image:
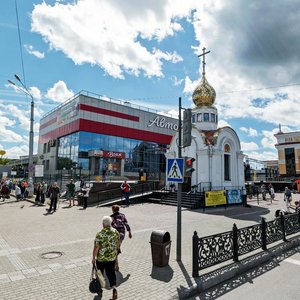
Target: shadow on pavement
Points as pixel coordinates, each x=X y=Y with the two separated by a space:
x=251 y=213
x=121 y=279
x=162 y=274
x=229 y=285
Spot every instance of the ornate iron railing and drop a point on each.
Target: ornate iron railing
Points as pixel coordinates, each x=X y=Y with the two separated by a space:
x=214 y=249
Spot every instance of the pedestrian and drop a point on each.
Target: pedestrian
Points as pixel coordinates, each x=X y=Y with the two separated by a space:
x=126 y=191
x=18 y=192
x=272 y=193
x=70 y=192
x=43 y=190
x=23 y=190
x=120 y=223
x=104 y=174
x=287 y=198
x=54 y=195
x=105 y=253
x=81 y=182
x=86 y=192
x=37 y=192
x=4 y=191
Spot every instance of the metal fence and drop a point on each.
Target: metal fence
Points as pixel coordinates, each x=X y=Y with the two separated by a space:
x=214 y=249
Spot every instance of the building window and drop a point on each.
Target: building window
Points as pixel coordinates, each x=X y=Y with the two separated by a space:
x=47 y=165
x=290 y=161
x=206 y=117
x=193 y=118
x=199 y=117
x=227 y=163
x=45 y=148
x=213 y=118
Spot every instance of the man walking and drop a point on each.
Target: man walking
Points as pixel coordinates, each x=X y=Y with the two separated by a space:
x=126 y=190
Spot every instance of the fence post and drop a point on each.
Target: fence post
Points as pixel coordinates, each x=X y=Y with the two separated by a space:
x=195 y=255
x=299 y=216
x=235 y=243
x=264 y=233
x=282 y=221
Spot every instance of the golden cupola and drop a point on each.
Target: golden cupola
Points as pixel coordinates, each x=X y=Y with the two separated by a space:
x=204 y=94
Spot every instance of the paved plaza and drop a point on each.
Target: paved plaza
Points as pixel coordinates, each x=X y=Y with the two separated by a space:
x=26 y=233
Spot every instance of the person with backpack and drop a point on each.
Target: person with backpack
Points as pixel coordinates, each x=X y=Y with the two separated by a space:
x=287 y=198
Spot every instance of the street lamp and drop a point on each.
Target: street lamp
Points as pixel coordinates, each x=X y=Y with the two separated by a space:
x=25 y=90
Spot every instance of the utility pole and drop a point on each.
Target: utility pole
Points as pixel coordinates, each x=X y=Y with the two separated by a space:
x=179 y=192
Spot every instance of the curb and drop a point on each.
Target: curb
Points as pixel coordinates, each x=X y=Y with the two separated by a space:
x=223 y=274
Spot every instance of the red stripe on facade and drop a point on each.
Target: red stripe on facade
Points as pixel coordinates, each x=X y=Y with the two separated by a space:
x=52 y=121
x=108 y=129
x=107 y=112
x=115 y=130
x=59 y=132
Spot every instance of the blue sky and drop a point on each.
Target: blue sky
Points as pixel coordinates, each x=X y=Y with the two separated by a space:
x=145 y=52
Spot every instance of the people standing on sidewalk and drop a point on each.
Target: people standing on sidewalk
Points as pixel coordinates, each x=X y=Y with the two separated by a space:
x=120 y=223
x=37 y=188
x=105 y=253
x=86 y=192
x=272 y=192
x=4 y=192
x=287 y=198
x=54 y=195
x=71 y=192
x=23 y=190
x=18 y=192
x=126 y=191
x=43 y=191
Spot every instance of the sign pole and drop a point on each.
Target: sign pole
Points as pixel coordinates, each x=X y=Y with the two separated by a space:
x=178 y=245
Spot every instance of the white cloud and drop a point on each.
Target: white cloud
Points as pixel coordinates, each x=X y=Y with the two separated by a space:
x=30 y=50
x=249 y=146
x=265 y=155
x=113 y=37
x=252 y=47
x=223 y=123
x=59 y=92
x=250 y=131
x=17 y=151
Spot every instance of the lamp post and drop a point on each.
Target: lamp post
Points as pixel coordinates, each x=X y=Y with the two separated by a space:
x=25 y=90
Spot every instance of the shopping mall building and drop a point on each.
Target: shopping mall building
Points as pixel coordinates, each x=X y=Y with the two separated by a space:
x=90 y=133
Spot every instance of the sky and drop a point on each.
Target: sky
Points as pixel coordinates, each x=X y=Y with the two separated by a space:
x=146 y=52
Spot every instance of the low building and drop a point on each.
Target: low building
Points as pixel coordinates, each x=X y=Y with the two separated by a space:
x=91 y=135
x=288 y=147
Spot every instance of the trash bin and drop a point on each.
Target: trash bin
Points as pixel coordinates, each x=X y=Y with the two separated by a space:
x=160 y=248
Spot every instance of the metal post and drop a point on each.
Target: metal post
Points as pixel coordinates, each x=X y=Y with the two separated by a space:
x=264 y=233
x=282 y=221
x=195 y=255
x=179 y=192
x=235 y=243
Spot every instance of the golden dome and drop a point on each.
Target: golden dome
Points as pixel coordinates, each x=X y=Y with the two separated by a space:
x=204 y=94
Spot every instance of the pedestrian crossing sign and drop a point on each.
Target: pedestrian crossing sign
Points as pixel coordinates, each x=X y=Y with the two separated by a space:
x=175 y=170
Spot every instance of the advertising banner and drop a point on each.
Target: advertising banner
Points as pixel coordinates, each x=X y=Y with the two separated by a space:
x=213 y=198
x=39 y=171
x=234 y=197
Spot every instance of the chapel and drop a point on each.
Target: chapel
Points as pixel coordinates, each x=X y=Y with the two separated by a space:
x=217 y=151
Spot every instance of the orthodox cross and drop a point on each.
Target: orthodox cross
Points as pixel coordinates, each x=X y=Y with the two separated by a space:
x=203 y=62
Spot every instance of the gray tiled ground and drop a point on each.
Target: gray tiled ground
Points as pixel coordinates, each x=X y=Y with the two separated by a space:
x=26 y=233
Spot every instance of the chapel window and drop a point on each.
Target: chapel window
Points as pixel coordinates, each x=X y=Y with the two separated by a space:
x=206 y=117
x=227 y=171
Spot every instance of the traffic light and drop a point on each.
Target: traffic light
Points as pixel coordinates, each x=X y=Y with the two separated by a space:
x=189 y=169
x=187 y=128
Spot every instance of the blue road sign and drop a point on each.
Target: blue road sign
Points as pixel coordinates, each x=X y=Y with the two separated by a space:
x=175 y=170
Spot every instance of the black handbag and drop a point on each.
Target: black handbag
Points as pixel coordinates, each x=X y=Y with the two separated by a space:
x=94 y=285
